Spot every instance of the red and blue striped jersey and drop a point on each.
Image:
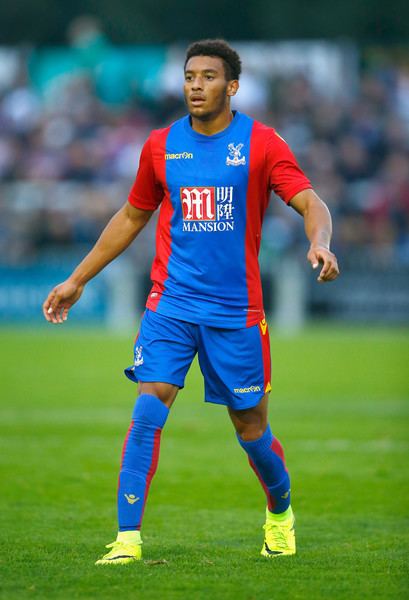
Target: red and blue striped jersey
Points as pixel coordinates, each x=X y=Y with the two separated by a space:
x=213 y=192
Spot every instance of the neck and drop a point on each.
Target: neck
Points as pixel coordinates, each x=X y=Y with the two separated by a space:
x=212 y=125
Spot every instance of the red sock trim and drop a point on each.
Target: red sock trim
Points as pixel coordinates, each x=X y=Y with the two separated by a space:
x=277 y=448
x=270 y=499
x=153 y=467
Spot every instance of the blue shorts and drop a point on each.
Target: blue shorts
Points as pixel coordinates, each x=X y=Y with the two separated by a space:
x=235 y=363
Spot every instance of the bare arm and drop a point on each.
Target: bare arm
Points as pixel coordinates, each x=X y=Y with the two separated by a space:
x=318 y=228
x=121 y=230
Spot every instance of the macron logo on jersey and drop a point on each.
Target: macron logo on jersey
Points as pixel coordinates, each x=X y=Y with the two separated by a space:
x=207 y=208
x=177 y=155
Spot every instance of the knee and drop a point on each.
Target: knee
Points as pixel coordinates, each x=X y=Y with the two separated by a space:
x=149 y=412
x=165 y=392
x=250 y=433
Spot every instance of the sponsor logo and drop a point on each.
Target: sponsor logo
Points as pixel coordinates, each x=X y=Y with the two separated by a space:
x=198 y=203
x=263 y=326
x=247 y=390
x=131 y=498
x=138 y=356
x=178 y=155
x=285 y=496
x=207 y=208
x=195 y=227
x=235 y=159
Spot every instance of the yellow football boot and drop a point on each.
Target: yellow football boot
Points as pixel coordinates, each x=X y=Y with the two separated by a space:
x=126 y=549
x=279 y=539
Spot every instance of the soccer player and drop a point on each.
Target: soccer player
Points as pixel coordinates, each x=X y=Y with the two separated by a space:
x=211 y=174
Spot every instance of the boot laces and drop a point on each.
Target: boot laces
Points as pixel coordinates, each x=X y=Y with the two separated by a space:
x=276 y=536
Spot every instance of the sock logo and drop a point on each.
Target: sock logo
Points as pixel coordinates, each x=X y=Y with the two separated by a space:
x=286 y=495
x=131 y=498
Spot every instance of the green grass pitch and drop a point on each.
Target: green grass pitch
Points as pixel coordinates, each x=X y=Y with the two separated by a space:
x=339 y=405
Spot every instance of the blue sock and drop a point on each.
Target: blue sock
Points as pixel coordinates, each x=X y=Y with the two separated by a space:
x=266 y=458
x=140 y=456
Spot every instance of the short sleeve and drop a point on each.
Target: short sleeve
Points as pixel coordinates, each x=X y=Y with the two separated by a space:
x=285 y=177
x=146 y=192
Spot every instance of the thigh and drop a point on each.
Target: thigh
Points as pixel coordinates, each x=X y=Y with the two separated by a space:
x=164 y=350
x=235 y=364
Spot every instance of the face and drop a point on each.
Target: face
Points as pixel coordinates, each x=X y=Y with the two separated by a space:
x=207 y=92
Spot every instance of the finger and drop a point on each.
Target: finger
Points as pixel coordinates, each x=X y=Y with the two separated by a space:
x=50 y=305
x=323 y=277
x=53 y=316
x=55 y=301
x=325 y=270
x=58 y=313
x=313 y=258
x=53 y=313
x=47 y=310
x=63 y=314
x=50 y=314
x=334 y=270
x=331 y=274
x=46 y=314
x=55 y=308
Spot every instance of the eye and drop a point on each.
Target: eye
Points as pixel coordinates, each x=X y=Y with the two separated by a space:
x=209 y=77
x=188 y=78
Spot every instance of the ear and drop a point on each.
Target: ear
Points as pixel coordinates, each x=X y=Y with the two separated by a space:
x=232 y=87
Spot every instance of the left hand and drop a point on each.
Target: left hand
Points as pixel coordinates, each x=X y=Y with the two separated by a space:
x=321 y=255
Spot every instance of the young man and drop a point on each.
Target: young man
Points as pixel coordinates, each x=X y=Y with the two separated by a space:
x=211 y=173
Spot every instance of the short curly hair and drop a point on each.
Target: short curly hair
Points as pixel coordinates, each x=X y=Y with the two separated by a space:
x=221 y=49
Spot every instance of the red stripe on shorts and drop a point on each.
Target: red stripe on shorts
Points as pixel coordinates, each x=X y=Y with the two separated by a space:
x=265 y=351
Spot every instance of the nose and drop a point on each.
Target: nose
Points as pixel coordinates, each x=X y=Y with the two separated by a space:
x=197 y=83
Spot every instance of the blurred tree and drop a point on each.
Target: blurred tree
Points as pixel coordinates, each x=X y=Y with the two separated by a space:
x=127 y=22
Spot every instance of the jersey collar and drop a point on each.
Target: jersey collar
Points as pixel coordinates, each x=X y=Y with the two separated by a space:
x=208 y=138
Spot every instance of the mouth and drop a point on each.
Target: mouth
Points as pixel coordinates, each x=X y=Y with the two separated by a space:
x=197 y=100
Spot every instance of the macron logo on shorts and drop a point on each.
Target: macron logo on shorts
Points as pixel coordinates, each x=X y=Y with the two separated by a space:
x=247 y=390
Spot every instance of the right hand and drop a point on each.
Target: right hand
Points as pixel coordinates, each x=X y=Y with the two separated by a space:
x=60 y=300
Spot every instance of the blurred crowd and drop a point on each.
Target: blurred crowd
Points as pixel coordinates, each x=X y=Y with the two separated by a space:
x=356 y=153
x=67 y=163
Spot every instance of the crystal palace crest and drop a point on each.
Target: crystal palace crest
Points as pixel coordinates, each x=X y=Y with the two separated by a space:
x=235 y=159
